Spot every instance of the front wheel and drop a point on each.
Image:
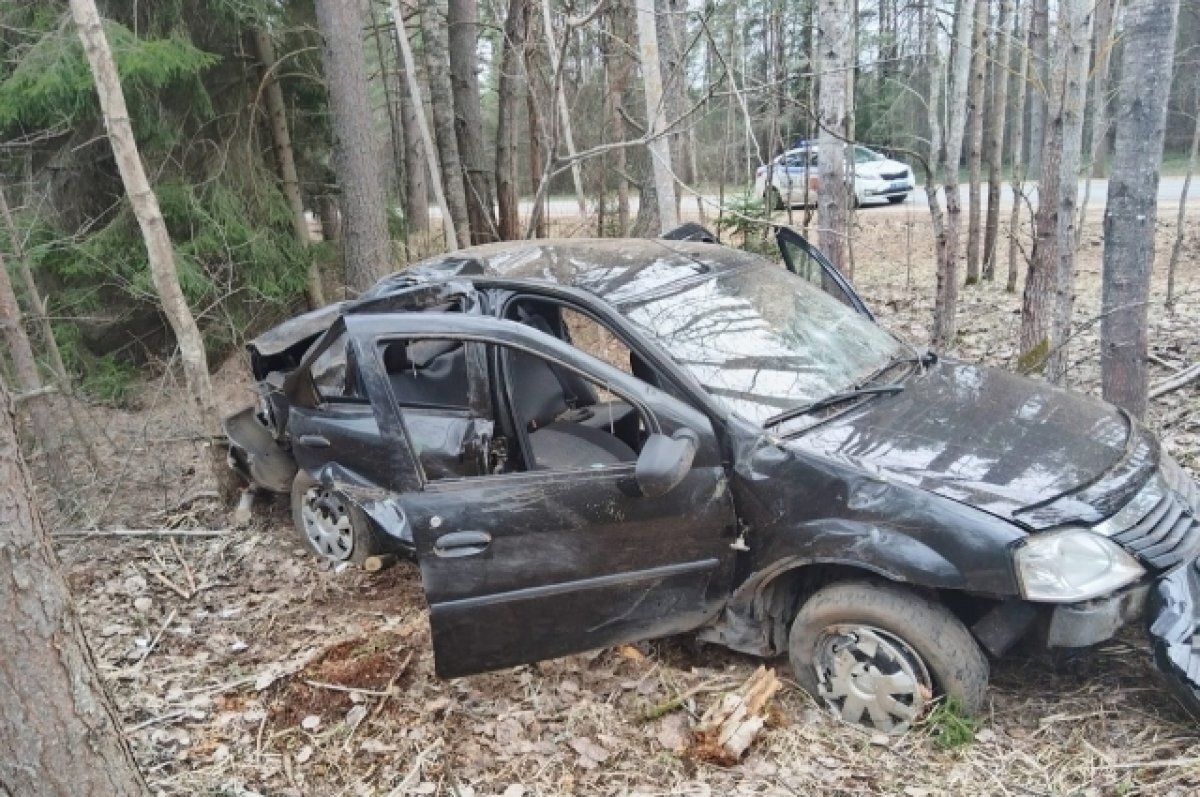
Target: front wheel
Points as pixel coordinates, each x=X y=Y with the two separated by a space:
x=773 y=199
x=897 y=199
x=876 y=654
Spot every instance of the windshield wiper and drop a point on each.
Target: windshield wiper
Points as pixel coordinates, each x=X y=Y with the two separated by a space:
x=830 y=401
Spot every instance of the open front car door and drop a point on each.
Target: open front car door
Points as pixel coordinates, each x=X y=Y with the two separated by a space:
x=586 y=528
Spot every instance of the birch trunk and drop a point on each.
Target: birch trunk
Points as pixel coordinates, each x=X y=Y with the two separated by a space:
x=564 y=111
x=428 y=152
x=1021 y=50
x=995 y=142
x=468 y=119
x=154 y=232
x=59 y=733
x=1097 y=155
x=934 y=66
x=975 y=139
x=1039 y=53
x=285 y=158
x=366 y=248
x=441 y=102
x=1132 y=210
x=946 y=298
x=1050 y=286
x=659 y=147
x=833 y=37
x=511 y=87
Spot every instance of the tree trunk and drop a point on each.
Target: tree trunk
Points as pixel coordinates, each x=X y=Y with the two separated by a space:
x=1049 y=288
x=1021 y=50
x=1181 y=218
x=1102 y=42
x=59 y=733
x=946 y=299
x=564 y=111
x=659 y=147
x=975 y=150
x=154 y=232
x=1132 y=210
x=428 y=151
x=41 y=411
x=65 y=383
x=468 y=119
x=1039 y=53
x=833 y=36
x=535 y=100
x=387 y=71
x=330 y=216
x=512 y=86
x=416 y=168
x=366 y=249
x=1106 y=11
x=441 y=101
x=285 y=159
x=619 y=65
x=995 y=142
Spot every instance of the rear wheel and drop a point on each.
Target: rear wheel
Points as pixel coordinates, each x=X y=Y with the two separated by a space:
x=876 y=654
x=325 y=524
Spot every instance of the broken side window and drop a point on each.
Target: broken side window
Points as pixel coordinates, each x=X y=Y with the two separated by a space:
x=335 y=374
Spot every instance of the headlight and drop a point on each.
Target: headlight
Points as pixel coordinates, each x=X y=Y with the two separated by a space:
x=1073 y=565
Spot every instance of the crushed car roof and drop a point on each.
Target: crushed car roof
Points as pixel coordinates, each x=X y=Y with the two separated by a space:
x=615 y=269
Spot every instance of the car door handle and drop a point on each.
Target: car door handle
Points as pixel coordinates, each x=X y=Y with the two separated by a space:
x=314 y=441
x=461 y=543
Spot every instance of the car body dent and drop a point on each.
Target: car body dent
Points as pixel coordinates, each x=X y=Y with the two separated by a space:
x=980 y=436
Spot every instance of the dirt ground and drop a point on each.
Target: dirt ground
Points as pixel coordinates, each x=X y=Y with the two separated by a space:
x=241 y=666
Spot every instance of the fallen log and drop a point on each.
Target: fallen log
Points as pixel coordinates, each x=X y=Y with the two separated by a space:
x=1184 y=377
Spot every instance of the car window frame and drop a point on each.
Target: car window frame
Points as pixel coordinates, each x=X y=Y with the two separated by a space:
x=369 y=343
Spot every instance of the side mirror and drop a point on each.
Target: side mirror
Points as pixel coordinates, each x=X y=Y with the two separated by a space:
x=665 y=461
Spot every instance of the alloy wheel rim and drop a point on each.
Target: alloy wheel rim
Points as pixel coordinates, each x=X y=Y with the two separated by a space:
x=869 y=676
x=327 y=525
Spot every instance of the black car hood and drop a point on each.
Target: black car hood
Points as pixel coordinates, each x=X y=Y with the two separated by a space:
x=985 y=437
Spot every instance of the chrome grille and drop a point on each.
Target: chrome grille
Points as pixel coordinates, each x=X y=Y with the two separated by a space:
x=1167 y=536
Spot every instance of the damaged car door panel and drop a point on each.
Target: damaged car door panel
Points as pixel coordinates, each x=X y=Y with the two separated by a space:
x=739 y=452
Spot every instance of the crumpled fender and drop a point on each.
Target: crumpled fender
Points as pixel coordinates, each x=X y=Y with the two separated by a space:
x=755 y=618
x=368 y=503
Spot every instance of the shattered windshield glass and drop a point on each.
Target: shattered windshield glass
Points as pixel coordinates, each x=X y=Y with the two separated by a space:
x=760 y=340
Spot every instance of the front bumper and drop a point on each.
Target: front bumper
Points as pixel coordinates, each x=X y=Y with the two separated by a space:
x=1173 y=625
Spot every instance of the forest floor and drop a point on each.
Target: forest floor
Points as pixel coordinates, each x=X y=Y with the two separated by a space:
x=241 y=666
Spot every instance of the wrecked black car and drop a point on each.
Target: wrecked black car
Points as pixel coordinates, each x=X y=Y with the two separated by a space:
x=590 y=442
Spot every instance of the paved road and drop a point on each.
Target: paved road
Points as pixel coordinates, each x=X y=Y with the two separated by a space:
x=1170 y=190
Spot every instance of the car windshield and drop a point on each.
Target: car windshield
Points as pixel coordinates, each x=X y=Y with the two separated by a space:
x=864 y=155
x=762 y=340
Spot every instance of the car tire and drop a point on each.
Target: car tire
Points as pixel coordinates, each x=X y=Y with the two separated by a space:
x=326 y=526
x=877 y=654
x=773 y=199
x=896 y=200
